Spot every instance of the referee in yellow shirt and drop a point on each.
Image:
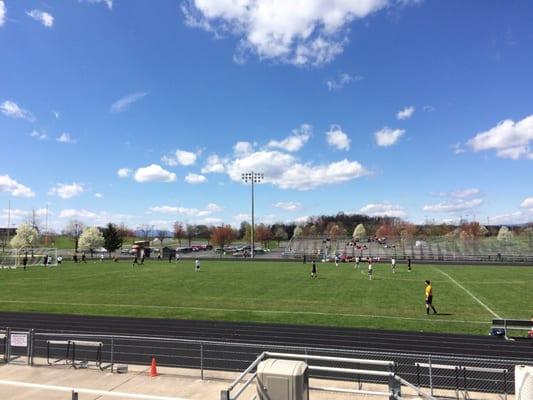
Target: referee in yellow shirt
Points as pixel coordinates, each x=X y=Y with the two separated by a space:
x=429 y=298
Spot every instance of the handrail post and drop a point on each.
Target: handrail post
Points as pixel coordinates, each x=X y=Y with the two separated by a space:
x=430 y=375
x=395 y=387
x=224 y=395
x=202 y=361
x=8 y=345
x=112 y=357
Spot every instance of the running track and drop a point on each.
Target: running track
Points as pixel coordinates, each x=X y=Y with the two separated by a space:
x=226 y=357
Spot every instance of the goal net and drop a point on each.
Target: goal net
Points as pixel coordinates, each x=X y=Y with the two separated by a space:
x=37 y=256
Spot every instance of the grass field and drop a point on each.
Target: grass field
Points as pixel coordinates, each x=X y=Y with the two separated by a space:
x=467 y=297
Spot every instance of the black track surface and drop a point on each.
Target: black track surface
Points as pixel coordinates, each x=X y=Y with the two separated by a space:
x=414 y=346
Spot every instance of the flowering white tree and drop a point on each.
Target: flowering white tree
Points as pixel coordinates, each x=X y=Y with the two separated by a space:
x=27 y=236
x=505 y=234
x=298 y=231
x=91 y=239
x=359 y=232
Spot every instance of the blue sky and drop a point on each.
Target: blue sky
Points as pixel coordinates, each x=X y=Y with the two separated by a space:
x=148 y=112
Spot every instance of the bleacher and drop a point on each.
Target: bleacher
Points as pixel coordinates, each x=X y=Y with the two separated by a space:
x=442 y=249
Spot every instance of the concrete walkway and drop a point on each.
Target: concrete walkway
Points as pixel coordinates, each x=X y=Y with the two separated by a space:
x=176 y=383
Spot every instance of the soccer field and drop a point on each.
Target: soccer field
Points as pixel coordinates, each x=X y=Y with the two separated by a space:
x=466 y=297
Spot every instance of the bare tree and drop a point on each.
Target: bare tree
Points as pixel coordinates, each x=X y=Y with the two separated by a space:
x=179 y=231
x=74 y=229
x=145 y=230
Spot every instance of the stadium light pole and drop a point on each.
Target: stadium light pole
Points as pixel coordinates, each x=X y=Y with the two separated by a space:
x=253 y=178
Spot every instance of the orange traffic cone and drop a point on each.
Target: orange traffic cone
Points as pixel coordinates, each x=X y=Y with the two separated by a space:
x=153 y=368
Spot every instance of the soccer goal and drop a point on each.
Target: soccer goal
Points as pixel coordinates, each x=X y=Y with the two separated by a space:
x=37 y=256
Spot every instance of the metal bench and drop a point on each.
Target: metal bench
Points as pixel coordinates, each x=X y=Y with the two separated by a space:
x=70 y=351
x=513 y=324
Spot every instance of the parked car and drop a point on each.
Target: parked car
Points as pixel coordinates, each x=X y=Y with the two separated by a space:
x=244 y=254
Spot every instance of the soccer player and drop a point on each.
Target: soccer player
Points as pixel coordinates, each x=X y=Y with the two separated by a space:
x=83 y=260
x=101 y=258
x=314 y=273
x=177 y=257
x=142 y=258
x=370 y=268
x=25 y=261
x=356 y=266
x=429 y=298
x=197 y=265
x=45 y=261
x=75 y=258
x=336 y=260
x=59 y=260
x=135 y=261
x=393 y=265
x=409 y=264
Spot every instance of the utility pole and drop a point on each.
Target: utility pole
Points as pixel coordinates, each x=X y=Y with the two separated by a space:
x=8 y=223
x=253 y=177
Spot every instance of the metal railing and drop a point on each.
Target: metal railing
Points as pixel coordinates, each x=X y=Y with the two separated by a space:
x=394 y=381
x=477 y=375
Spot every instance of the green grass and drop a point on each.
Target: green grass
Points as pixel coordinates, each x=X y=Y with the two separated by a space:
x=279 y=292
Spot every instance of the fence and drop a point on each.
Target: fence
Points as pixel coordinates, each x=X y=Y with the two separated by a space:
x=438 y=373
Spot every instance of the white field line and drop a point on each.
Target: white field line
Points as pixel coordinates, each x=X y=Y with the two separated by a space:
x=470 y=293
x=239 y=310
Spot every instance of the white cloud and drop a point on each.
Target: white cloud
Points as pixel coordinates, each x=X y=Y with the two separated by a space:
x=387 y=136
x=11 y=109
x=43 y=17
x=515 y=153
x=3 y=12
x=188 y=212
x=242 y=149
x=453 y=206
x=337 y=138
x=180 y=157
x=66 y=191
x=213 y=207
x=341 y=80
x=465 y=193
x=16 y=189
x=310 y=32
x=154 y=173
x=384 y=209
x=56 y=114
x=458 y=194
x=185 y=157
x=98 y=195
x=284 y=170
x=65 y=138
x=428 y=108
x=108 y=3
x=72 y=213
x=288 y=205
x=38 y=135
x=458 y=148
x=510 y=139
x=406 y=113
x=294 y=142
x=527 y=203
x=214 y=164
x=124 y=172
x=195 y=178
x=242 y=217
x=123 y=103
